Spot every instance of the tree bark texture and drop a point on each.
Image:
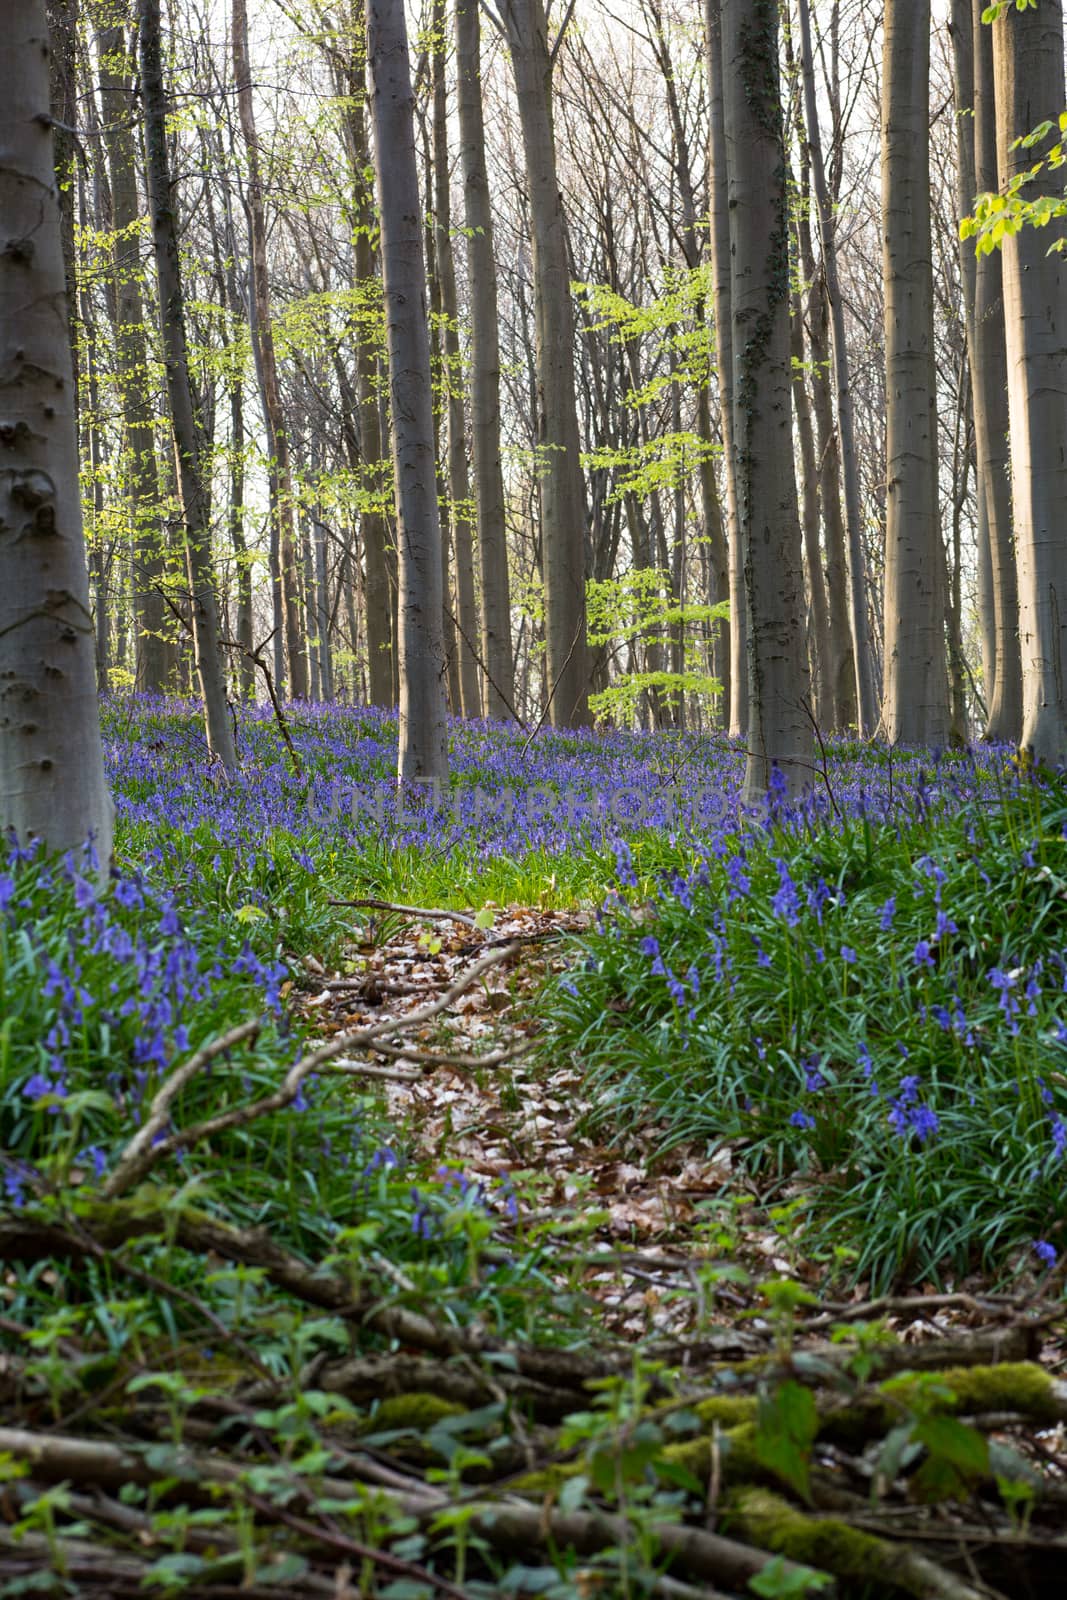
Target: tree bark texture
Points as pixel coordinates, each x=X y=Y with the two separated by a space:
x=862 y=703
x=379 y=554
x=459 y=486
x=273 y=412
x=563 y=510
x=52 y=783
x=915 y=708
x=719 y=237
x=989 y=387
x=131 y=358
x=193 y=490
x=485 y=371
x=1029 y=81
x=423 y=752
x=779 y=723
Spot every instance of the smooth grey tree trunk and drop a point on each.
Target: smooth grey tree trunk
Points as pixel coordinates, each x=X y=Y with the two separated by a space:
x=461 y=505
x=52 y=783
x=563 y=510
x=274 y=416
x=989 y=380
x=1029 y=78
x=963 y=94
x=820 y=654
x=719 y=237
x=485 y=371
x=192 y=488
x=691 y=235
x=915 y=707
x=131 y=357
x=423 y=752
x=779 y=724
x=865 y=702
x=379 y=555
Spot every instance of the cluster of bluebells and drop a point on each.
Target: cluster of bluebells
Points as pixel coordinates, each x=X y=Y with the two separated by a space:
x=900 y=1023
x=511 y=794
x=106 y=986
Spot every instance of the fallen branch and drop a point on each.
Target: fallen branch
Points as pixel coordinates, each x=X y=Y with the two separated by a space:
x=414 y=913
x=129 y=1166
x=137 y=1166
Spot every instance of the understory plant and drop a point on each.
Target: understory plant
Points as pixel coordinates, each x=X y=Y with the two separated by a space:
x=873 y=1014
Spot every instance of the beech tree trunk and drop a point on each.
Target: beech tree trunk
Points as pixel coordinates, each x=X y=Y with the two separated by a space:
x=52 y=783
x=915 y=709
x=863 y=703
x=485 y=372
x=779 y=725
x=459 y=487
x=379 y=554
x=989 y=380
x=563 y=511
x=131 y=357
x=423 y=752
x=719 y=236
x=273 y=413
x=1029 y=78
x=820 y=653
x=192 y=488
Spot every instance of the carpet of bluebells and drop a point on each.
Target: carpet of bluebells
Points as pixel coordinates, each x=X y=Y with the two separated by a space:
x=871 y=1014
x=863 y=993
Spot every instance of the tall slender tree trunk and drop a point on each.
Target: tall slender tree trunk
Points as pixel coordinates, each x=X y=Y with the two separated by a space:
x=1029 y=77
x=246 y=670
x=779 y=727
x=963 y=94
x=711 y=510
x=52 y=783
x=423 y=752
x=864 y=703
x=915 y=708
x=989 y=381
x=379 y=554
x=819 y=650
x=131 y=358
x=459 y=487
x=719 y=234
x=191 y=484
x=485 y=371
x=563 y=511
x=274 y=416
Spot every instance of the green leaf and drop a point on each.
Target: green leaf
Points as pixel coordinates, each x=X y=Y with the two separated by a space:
x=785 y=1431
x=780 y=1580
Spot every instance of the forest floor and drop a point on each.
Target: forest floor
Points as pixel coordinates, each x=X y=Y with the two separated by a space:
x=675 y=1215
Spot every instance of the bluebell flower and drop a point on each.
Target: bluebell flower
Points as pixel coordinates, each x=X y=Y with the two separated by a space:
x=1047 y=1253
x=800 y=1119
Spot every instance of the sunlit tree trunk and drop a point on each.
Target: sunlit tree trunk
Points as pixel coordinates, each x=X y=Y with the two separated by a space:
x=915 y=709
x=1029 y=76
x=277 y=433
x=131 y=357
x=485 y=371
x=52 y=783
x=379 y=556
x=819 y=650
x=989 y=377
x=779 y=725
x=192 y=488
x=563 y=511
x=719 y=235
x=459 y=487
x=863 y=702
x=423 y=750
